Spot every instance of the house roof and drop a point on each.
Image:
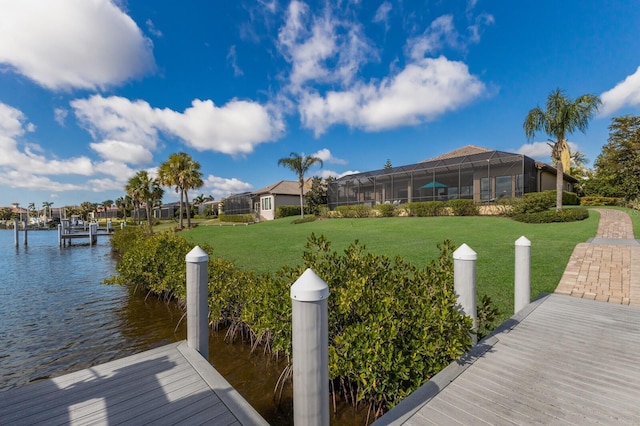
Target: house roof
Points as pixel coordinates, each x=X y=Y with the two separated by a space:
x=283 y=187
x=460 y=152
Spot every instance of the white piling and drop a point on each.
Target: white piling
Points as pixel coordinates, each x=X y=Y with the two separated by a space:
x=109 y=230
x=197 y=304
x=464 y=282
x=122 y=225
x=91 y=234
x=310 y=344
x=25 y=234
x=522 y=293
x=15 y=231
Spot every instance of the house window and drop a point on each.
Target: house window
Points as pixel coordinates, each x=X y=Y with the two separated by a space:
x=266 y=203
x=503 y=186
x=485 y=189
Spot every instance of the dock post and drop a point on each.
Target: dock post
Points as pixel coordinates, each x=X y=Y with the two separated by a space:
x=25 y=234
x=109 y=230
x=522 y=293
x=310 y=345
x=91 y=234
x=464 y=283
x=60 y=234
x=15 y=231
x=197 y=303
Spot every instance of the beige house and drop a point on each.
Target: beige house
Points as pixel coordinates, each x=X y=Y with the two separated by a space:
x=284 y=193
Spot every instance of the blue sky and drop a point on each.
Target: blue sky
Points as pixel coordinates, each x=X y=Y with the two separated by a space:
x=93 y=91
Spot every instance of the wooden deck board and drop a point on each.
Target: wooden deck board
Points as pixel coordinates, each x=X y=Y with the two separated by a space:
x=563 y=360
x=166 y=385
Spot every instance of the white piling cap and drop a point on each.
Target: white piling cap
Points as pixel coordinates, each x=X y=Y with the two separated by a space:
x=309 y=288
x=465 y=252
x=523 y=241
x=197 y=255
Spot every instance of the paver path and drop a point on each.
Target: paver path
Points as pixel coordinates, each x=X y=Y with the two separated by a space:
x=607 y=267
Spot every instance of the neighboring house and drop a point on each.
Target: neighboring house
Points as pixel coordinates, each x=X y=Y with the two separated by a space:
x=471 y=172
x=284 y=193
x=265 y=201
x=202 y=208
x=165 y=211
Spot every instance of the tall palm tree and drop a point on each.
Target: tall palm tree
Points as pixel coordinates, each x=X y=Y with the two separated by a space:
x=300 y=164
x=182 y=172
x=47 y=205
x=561 y=117
x=146 y=191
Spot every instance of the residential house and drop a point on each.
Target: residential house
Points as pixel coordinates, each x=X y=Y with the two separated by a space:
x=471 y=172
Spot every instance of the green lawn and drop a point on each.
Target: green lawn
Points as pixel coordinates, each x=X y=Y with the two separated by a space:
x=267 y=246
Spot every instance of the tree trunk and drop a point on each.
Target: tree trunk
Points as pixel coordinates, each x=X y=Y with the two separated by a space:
x=301 y=199
x=186 y=199
x=181 y=207
x=559 y=175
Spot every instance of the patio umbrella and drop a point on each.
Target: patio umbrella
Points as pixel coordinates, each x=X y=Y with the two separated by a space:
x=433 y=184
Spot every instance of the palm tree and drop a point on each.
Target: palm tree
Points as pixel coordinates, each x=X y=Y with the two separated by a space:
x=106 y=204
x=181 y=171
x=47 y=205
x=300 y=164
x=146 y=191
x=561 y=117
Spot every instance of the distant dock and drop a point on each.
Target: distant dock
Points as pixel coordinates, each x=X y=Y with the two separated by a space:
x=69 y=230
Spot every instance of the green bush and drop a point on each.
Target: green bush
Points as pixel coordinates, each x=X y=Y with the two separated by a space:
x=426 y=208
x=533 y=202
x=549 y=216
x=286 y=211
x=601 y=201
x=155 y=263
x=463 y=207
x=237 y=218
x=308 y=218
x=123 y=239
x=387 y=210
x=568 y=198
x=354 y=211
x=391 y=325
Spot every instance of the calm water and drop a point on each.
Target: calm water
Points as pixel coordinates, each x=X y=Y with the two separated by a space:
x=56 y=317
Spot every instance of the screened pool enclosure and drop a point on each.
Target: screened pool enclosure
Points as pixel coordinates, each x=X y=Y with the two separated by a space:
x=481 y=175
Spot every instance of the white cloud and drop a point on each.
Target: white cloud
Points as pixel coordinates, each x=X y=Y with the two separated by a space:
x=624 y=94
x=50 y=39
x=220 y=187
x=60 y=115
x=475 y=30
x=326 y=156
x=29 y=159
x=422 y=91
x=441 y=33
x=126 y=152
x=233 y=61
x=152 y=28
x=312 y=43
x=235 y=128
x=25 y=180
x=382 y=14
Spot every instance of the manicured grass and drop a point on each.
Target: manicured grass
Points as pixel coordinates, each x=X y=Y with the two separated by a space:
x=267 y=246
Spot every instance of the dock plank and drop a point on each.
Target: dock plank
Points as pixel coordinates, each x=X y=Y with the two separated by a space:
x=563 y=360
x=165 y=385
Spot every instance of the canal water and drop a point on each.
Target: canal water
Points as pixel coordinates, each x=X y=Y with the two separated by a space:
x=56 y=317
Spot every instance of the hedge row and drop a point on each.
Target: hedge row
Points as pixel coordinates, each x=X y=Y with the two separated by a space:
x=392 y=325
x=549 y=216
x=601 y=201
x=237 y=218
x=286 y=211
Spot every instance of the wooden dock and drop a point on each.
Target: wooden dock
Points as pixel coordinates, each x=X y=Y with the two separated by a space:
x=172 y=384
x=562 y=360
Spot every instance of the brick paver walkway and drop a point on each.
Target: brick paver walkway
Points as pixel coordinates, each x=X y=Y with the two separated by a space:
x=607 y=267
